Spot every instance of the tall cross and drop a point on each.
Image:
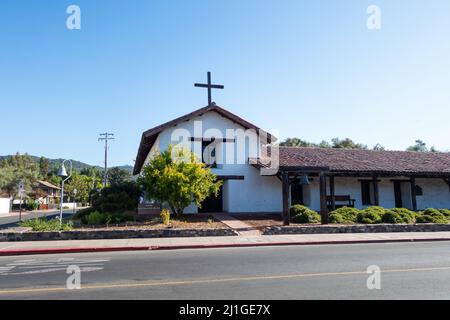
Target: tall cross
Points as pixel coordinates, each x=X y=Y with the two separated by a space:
x=209 y=86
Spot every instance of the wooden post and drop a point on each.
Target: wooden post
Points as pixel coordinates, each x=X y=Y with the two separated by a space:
x=332 y=193
x=323 y=198
x=285 y=187
x=413 y=194
x=376 y=191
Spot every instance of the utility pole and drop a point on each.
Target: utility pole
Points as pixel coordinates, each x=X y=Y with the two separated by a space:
x=106 y=137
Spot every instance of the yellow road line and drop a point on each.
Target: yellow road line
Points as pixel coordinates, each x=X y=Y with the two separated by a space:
x=210 y=281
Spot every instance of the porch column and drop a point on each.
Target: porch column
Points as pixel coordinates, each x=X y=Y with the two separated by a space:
x=376 y=191
x=323 y=198
x=285 y=188
x=332 y=194
x=413 y=194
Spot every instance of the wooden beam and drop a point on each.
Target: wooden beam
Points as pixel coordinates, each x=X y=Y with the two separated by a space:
x=323 y=198
x=231 y=177
x=413 y=194
x=376 y=191
x=285 y=190
x=332 y=194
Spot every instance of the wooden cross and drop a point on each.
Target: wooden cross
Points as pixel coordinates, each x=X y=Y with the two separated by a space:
x=209 y=86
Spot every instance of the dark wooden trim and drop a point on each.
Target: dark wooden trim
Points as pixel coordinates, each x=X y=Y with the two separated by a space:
x=376 y=191
x=303 y=169
x=285 y=190
x=194 y=139
x=323 y=198
x=231 y=177
x=413 y=194
x=378 y=180
x=332 y=193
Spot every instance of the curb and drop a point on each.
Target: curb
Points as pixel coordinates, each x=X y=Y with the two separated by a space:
x=19 y=252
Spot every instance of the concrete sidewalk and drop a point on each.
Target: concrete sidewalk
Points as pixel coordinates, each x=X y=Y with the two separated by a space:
x=48 y=247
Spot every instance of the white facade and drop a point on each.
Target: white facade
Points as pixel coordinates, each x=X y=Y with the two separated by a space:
x=4 y=206
x=259 y=193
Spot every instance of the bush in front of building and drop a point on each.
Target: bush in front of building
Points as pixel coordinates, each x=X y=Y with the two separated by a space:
x=399 y=215
x=371 y=215
x=302 y=214
x=431 y=216
x=344 y=215
x=165 y=217
x=445 y=212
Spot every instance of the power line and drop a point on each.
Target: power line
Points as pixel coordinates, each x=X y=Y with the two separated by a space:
x=106 y=137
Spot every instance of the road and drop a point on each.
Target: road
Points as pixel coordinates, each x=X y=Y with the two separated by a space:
x=408 y=271
x=11 y=221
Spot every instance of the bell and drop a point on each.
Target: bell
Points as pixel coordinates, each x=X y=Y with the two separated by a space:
x=62 y=171
x=304 y=180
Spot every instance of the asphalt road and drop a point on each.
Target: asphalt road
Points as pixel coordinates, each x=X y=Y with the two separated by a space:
x=12 y=221
x=408 y=271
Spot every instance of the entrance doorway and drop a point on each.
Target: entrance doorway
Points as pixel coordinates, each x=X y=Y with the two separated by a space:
x=212 y=204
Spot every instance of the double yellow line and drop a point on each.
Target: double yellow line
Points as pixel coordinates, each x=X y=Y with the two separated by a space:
x=209 y=281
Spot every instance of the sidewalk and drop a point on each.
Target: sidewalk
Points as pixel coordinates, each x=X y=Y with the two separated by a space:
x=48 y=247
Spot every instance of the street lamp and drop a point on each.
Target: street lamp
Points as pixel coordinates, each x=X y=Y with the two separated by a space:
x=63 y=174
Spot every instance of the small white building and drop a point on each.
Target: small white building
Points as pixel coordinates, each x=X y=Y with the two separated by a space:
x=5 y=205
x=260 y=177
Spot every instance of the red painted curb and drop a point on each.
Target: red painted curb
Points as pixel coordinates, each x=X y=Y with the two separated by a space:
x=203 y=246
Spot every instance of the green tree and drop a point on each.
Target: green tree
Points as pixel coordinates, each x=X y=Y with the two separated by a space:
x=296 y=142
x=175 y=177
x=82 y=184
x=346 y=144
x=44 y=167
x=421 y=146
x=118 y=176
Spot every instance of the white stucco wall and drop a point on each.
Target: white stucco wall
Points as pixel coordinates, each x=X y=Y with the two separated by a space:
x=255 y=193
x=4 y=206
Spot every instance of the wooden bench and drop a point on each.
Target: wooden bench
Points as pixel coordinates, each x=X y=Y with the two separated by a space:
x=340 y=201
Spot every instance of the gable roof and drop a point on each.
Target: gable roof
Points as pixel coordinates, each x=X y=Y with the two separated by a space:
x=149 y=136
x=48 y=184
x=354 y=161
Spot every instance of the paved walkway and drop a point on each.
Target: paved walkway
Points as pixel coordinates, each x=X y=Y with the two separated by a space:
x=12 y=248
x=240 y=226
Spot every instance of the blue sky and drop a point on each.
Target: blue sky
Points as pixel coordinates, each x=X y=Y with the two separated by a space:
x=310 y=69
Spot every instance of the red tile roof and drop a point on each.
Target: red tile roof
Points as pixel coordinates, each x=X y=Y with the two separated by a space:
x=359 y=161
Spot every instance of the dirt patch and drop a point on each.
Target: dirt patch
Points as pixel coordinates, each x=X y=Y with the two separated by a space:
x=260 y=221
x=154 y=223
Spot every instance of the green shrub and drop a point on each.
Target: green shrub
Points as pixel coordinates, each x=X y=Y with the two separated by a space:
x=81 y=214
x=32 y=205
x=431 y=216
x=398 y=216
x=42 y=224
x=445 y=212
x=302 y=214
x=165 y=216
x=117 y=198
x=344 y=215
x=371 y=215
x=96 y=218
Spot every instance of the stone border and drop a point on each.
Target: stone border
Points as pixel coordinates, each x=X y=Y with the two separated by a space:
x=357 y=228
x=114 y=234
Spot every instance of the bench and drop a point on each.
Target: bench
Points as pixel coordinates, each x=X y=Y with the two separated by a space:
x=340 y=201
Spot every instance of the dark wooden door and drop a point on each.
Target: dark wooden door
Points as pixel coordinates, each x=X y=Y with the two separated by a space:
x=297 y=194
x=398 y=194
x=212 y=204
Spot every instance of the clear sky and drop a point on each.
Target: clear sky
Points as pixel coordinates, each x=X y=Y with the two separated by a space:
x=310 y=69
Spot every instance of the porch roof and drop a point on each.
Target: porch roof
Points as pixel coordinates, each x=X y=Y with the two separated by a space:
x=360 y=162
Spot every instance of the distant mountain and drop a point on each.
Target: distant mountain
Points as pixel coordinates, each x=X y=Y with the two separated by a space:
x=77 y=165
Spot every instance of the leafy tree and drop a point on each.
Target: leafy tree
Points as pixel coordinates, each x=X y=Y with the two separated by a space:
x=82 y=184
x=117 y=198
x=17 y=168
x=421 y=146
x=346 y=144
x=117 y=176
x=44 y=167
x=379 y=147
x=296 y=142
x=175 y=177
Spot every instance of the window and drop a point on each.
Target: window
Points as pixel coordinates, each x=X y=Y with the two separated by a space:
x=419 y=191
x=210 y=154
x=366 y=193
